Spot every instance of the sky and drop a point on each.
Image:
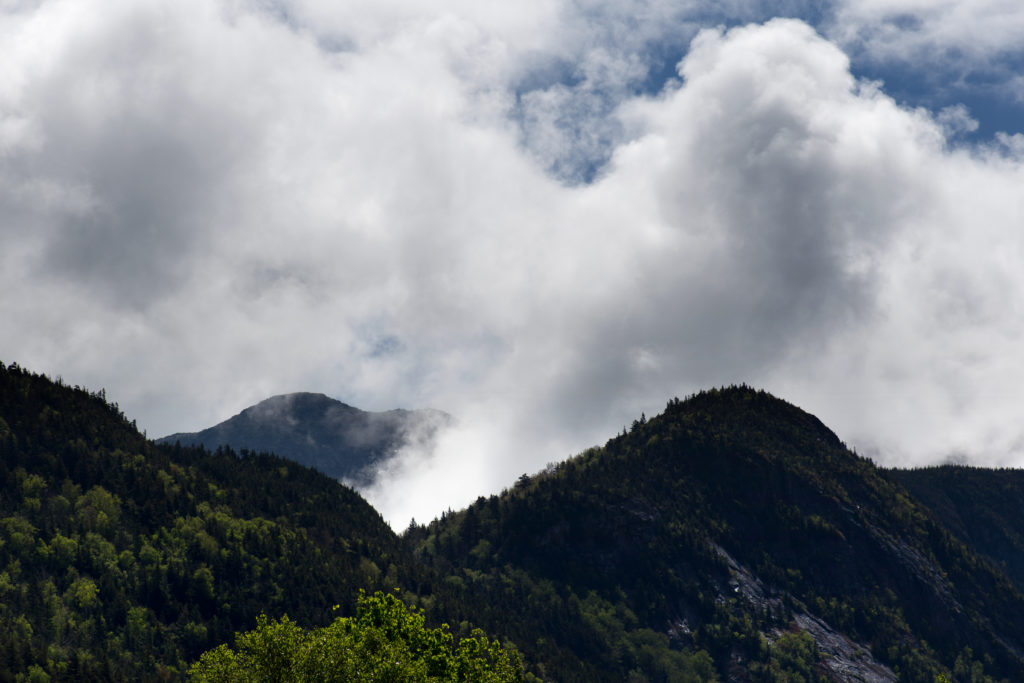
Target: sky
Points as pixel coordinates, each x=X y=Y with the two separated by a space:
x=543 y=217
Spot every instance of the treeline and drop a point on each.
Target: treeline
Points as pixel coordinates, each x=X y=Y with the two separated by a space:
x=699 y=535
x=689 y=548
x=124 y=561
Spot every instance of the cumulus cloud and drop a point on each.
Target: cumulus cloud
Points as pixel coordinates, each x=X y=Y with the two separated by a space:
x=791 y=226
x=543 y=222
x=977 y=30
x=939 y=53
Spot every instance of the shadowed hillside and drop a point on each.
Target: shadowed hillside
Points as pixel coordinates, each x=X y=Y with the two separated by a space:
x=720 y=526
x=983 y=507
x=317 y=431
x=122 y=560
x=732 y=538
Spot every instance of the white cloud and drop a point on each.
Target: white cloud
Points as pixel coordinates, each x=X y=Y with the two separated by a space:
x=972 y=31
x=957 y=119
x=209 y=203
x=778 y=222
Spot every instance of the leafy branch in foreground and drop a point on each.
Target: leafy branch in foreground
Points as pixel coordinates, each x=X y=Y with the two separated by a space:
x=385 y=641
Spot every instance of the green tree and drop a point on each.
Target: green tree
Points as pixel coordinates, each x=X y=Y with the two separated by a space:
x=385 y=641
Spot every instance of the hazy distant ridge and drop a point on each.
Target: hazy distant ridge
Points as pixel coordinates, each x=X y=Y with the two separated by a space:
x=340 y=440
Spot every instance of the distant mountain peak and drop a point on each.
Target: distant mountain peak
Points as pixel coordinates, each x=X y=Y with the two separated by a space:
x=338 y=439
x=289 y=410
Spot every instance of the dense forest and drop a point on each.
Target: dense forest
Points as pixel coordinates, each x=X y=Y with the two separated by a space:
x=983 y=505
x=123 y=560
x=732 y=537
x=724 y=523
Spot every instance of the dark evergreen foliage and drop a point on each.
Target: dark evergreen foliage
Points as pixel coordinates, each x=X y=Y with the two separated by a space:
x=733 y=537
x=718 y=522
x=120 y=559
x=983 y=507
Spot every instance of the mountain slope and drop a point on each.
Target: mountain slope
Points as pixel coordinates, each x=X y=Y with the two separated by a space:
x=122 y=560
x=983 y=507
x=723 y=524
x=317 y=431
x=732 y=538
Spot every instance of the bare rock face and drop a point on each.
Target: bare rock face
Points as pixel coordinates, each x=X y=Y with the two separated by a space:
x=842 y=659
x=340 y=440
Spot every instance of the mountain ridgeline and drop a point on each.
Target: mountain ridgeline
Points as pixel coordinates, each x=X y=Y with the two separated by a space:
x=339 y=440
x=732 y=538
x=985 y=506
x=124 y=560
x=725 y=523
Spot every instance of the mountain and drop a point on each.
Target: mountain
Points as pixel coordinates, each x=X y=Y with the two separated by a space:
x=983 y=507
x=728 y=525
x=732 y=538
x=320 y=432
x=123 y=560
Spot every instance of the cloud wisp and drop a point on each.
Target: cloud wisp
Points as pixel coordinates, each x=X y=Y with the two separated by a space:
x=514 y=217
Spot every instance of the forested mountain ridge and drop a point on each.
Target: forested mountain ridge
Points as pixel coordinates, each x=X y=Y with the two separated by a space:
x=733 y=537
x=340 y=440
x=984 y=507
x=122 y=560
x=727 y=521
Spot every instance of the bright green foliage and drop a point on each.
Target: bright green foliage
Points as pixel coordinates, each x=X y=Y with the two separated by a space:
x=120 y=560
x=385 y=641
x=670 y=555
x=791 y=659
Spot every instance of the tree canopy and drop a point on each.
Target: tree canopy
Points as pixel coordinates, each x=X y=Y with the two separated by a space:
x=385 y=641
